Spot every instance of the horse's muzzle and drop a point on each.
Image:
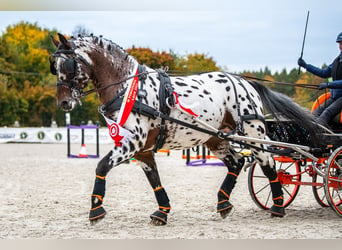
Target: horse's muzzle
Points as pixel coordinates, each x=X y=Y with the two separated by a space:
x=67 y=105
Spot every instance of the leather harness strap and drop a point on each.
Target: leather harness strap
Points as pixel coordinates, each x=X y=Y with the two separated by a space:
x=165 y=93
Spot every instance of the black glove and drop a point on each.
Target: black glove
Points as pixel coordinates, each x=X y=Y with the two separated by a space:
x=323 y=85
x=302 y=63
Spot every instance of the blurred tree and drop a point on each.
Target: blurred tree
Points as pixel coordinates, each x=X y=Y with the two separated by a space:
x=12 y=105
x=293 y=76
x=151 y=59
x=283 y=77
x=304 y=96
x=196 y=63
x=248 y=73
x=24 y=51
x=26 y=48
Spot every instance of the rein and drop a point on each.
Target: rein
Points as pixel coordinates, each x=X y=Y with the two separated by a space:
x=300 y=85
x=115 y=83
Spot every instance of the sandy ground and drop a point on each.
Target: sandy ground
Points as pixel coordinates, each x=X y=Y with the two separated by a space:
x=45 y=195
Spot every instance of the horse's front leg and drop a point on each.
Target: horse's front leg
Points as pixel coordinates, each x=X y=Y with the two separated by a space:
x=234 y=162
x=234 y=165
x=113 y=158
x=159 y=217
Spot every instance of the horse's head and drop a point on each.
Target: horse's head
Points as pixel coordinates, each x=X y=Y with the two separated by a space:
x=72 y=72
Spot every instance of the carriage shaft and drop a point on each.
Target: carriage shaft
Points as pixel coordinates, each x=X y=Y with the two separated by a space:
x=299 y=148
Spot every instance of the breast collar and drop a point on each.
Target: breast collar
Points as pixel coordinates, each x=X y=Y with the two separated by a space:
x=116 y=130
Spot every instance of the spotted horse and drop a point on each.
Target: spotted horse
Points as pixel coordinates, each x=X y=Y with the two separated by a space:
x=145 y=109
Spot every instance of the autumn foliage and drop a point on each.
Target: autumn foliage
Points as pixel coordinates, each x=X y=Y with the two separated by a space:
x=152 y=59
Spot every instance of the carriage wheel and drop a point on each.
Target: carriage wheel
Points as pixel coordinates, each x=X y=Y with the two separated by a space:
x=259 y=187
x=318 y=191
x=333 y=181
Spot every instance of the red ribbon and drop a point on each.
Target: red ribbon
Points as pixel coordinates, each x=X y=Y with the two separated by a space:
x=128 y=102
x=184 y=108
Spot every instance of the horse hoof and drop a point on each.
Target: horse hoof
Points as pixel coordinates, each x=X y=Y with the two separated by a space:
x=96 y=215
x=158 y=218
x=274 y=215
x=156 y=222
x=277 y=211
x=224 y=214
x=224 y=208
x=94 y=222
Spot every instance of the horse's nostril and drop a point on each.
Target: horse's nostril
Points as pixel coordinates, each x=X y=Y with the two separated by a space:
x=65 y=105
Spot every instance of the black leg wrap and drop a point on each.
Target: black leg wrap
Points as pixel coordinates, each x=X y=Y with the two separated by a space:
x=164 y=207
x=224 y=205
x=99 y=187
x=276 y=189
x=234 y=165
x=226 y=187
x=229 y=182
x=277 y=210
x=162 y=199
x=97 y=211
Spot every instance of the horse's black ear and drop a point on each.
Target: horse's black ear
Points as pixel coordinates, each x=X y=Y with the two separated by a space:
x=54 y=41
x=64 y=41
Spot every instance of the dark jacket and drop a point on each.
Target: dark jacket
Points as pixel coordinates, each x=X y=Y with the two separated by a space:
x=334 y=70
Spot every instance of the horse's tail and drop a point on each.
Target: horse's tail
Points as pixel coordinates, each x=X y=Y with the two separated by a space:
x=281 y=106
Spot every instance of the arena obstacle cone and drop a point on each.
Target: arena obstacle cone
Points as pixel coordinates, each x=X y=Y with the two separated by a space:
x=83 y=151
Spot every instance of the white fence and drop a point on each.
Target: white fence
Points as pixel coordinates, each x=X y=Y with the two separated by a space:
x=52 y=135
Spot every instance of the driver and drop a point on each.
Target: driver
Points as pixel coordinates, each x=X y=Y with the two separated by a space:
x=333 y=105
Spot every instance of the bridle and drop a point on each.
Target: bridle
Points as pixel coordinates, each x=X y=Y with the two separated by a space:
x=70 y=66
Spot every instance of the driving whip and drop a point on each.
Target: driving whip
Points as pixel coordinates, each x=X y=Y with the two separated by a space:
x=306 y=26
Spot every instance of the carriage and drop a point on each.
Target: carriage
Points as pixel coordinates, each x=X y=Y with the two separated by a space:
x=145 y=109
x=323 y=165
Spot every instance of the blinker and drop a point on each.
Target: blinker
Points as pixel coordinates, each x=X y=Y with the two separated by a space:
x=52 y=66
x=69 y=66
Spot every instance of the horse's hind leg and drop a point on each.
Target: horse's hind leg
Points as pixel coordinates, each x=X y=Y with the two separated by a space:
x=267 y=164
x=277 y=208
x=159 y=217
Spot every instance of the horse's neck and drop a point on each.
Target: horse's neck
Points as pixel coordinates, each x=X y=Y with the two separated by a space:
x=114 y=73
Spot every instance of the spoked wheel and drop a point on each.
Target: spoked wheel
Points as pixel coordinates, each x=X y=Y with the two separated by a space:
x=288 y=174
x=318 y=190
x=333 y=181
